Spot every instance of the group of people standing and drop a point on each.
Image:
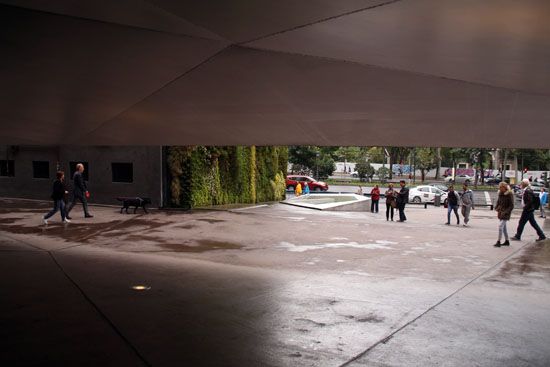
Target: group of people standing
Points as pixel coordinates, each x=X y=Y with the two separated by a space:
x=394 y=200
x=60 y=193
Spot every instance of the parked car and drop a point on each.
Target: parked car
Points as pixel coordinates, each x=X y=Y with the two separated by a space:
x=496 y=180
x=439 y=186
x=426 y=194
x=314 y=185
x=459 y=179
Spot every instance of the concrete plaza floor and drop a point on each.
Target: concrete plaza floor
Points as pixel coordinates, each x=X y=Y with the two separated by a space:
x=271 y=285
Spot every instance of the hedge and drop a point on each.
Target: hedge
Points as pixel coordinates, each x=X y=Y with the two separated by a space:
x=203 y=176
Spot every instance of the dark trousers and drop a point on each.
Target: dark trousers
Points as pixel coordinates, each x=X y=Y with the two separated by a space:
x=401 y=208
x=528 y=216
x=57 y=205
x=452 y=208
x=389 y=209
x=374 y=206
x=84 y=202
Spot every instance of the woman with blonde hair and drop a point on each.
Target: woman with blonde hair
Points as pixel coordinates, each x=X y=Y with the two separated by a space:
x=504 y=207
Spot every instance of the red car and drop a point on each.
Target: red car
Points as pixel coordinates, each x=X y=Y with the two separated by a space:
x=292 y=181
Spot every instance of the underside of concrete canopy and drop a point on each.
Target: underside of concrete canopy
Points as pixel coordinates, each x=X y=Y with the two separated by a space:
x=321 y=72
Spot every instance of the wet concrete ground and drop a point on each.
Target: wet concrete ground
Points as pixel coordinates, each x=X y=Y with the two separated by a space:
x=269 y=286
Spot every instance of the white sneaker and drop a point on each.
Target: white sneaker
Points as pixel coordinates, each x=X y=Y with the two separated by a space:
x=66 y=220
x=45 y=220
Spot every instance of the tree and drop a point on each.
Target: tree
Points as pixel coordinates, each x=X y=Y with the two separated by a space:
x=375 y=154
x=426 y=159
x=325 y=166
x=348 y=154
x=364 y=170
x=383 y=173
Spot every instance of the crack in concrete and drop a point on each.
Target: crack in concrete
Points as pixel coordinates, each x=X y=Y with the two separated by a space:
x=388 y=337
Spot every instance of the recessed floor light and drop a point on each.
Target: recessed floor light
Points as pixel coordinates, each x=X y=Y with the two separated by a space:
x=141 y=287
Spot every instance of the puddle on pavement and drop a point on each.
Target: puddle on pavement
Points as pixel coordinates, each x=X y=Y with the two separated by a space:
x=534 y=259
x=211 y=221
x=200 y=246
x=73 y=232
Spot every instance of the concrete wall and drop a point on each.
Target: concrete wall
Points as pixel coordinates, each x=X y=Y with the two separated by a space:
x=146 y=162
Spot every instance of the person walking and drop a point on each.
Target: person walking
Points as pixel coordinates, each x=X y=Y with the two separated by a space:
x=528 y=213
x=452 y=206
x=306 y=188
x=390 y=202
x=402 y=200
x=79 y=192
x=504 y=207
x=375 y=198
x=467 y=198
x=543 y=201
x=58 y=193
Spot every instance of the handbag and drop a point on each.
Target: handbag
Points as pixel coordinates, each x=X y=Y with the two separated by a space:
x=87 y=194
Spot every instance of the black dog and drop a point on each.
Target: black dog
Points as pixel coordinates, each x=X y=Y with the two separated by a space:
x=135 y=202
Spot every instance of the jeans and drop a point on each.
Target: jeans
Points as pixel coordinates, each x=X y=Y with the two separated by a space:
x=82 y=200
x=374 y=206
x=528 y=216
x=389 y=209
x=502 y=230
x=542 y=213
x=453 y=208
x=57 y=205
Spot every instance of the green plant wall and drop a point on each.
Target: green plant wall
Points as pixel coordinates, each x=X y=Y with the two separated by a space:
x=203 y=176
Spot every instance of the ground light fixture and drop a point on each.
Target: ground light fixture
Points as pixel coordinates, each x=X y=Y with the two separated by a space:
x=140 y=287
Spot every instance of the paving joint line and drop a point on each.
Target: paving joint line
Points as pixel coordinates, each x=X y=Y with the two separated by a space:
x=431 y=308
x=101 y=313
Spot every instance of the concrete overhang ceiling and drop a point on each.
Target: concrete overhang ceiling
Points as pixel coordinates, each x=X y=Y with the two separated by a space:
x=316 y=72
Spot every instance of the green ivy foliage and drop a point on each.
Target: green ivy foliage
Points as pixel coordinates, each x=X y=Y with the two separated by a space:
x=203 y=176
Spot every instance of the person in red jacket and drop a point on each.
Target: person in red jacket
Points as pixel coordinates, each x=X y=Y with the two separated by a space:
x=375 y=198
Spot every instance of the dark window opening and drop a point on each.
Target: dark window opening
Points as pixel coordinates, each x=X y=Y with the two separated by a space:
x=7 y=168
x=123 y=172
x=41 y=169
x=85 y=174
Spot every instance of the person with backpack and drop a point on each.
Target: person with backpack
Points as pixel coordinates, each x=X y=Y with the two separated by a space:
x=58 y=194
x=530 y=203
x=504 y=207
x=467 y=198
x=543 y=201
x=453 y=204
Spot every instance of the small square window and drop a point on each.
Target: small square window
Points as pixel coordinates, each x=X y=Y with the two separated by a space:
x=7 y=168
x=85 y=174
x=41 y=169
x=123 y=172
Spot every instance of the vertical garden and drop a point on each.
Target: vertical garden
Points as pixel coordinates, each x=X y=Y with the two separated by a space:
x=203 y=176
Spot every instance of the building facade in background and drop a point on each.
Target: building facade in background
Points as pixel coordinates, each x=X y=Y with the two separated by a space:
x=110 y=172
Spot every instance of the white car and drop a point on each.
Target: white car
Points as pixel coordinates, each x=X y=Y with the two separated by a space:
x=426 y=194
x=459 y=179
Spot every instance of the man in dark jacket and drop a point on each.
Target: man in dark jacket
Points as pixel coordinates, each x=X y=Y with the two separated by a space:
x=58 y=192
x=528 y=213
x=402 y=199
x=79 y=191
